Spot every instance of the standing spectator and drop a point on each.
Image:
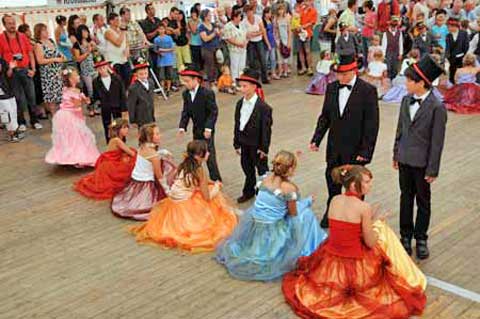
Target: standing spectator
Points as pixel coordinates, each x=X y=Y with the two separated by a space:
x=165 y=48
x=286 y=4
x=271 y=58
x=49 y=59
x=457 y=11
x=239 y=5
x=195 y=40
x=136 y=39
x=236 y=37
x=221 y=18
x=98 y=32
x=308 y=18
x=348 y=16
x=470 y=12
x=7 y=100
x=61 y=37
x=419 y=7
x=457 y=47
x=83 y=55
x=15 y=46
x=370 y=24
x=150 y=28
x=257 y=7
x=284 y=38
x=210 y=43
x=424 y=41
x=117 y=51
x=328 y=31
x=440 y=29
x=392 y=47
x=73 y=23
x=387 y=9
x=255 y=47
x=182 y=49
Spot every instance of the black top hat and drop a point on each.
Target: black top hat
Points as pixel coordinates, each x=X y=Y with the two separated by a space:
x=345 y=63
x=193 y=71
x=250 y=75
x=427 y=69
x=342 y=26
x=140 y=63
x=99 y=61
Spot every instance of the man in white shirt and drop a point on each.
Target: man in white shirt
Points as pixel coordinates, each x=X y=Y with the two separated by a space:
x=252 y=133
x=350 y=114
x=98 y=31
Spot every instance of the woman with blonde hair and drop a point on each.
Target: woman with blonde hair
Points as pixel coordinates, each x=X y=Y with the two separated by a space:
x=278 y=229
x=362 y=270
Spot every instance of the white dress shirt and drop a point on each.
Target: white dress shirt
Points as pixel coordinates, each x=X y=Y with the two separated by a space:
x=106 y=82
x=344 y=95
x=247 y=110
x=416 y=106
x=193 y=92
x=145 y=84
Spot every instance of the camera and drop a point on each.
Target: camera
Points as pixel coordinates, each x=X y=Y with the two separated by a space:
x=18 y=57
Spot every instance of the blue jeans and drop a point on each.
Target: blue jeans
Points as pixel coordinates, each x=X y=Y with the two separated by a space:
x=365 y=44
x=23 y=88
x=271 y=58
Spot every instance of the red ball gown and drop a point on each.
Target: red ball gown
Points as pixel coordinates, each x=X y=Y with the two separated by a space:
x=464 y=97
x=345 y=279
x=113 y=171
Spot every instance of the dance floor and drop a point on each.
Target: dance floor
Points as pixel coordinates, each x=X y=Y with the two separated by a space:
x=63 y=256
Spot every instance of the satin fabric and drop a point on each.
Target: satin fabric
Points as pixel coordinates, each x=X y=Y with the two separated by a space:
x=318 y=85
x=268 y=241
x=112 y=173
x=464 y=97
x=187 y=221
x=382 y=282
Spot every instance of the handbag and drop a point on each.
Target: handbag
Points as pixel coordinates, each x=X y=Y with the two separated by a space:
x=284 y=51
x=5 y=117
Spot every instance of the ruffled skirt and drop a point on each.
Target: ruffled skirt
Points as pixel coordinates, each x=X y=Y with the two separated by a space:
x=463 y=98
x=193 y=224
x=384 y=283
x=318 y=84
x=265 y=251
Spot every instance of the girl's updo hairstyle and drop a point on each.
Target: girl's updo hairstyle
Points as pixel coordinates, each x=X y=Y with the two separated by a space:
x=282 y=163
x=115 y=127
x=348 y=174
x=190 y=166
x=146 y=133
x=66 y=74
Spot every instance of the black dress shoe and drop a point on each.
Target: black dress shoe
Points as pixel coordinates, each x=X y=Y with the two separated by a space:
x=244 y=198
x=407 y=244
x=422 y=249
x=265 y=82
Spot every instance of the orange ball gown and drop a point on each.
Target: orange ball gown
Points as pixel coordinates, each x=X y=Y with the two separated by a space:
x=113 y=171
x=187 y=221
x=344 y=279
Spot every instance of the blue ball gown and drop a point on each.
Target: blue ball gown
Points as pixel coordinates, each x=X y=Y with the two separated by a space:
x=268 y=241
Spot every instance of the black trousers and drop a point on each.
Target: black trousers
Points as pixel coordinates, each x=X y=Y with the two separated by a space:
x=454 y=65
x=414 y=187
x=256 y=58
x=23 y=88
x=250 y=159
x=107 y=115
x=212 y=165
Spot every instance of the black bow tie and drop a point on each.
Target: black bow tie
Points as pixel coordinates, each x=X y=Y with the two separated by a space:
x=342 y=86
x=414 y=100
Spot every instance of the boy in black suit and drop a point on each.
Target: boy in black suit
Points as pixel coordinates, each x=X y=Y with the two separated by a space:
x=109 y=91
x=252 y=133
x=457 y=47
x=140 y=99
x=417 y=151
x=200 y=106
x=350 y=114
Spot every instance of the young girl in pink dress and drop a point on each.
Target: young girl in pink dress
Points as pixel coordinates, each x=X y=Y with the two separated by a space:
x=73 y=143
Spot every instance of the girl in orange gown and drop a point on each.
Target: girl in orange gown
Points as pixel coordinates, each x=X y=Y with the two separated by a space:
x=195 y=216
x=361 y=271
x=112 y=169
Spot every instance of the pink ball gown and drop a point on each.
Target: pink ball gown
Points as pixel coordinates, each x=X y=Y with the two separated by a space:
x=73 y=143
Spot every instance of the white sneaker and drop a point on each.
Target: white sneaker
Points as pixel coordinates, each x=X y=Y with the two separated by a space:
x=22 y=128
x=37 y=126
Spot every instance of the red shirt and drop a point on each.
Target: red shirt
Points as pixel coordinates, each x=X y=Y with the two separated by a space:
x=308 y=15
x=9 y=47
x=385 y=12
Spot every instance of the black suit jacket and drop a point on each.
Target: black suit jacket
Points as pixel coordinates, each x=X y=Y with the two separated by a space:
x=419 y=143
x=258 y=130
x=425 y=47
x=114 y=99
x=458 y=47
x=140 y=103
x=355 y=132
x=203 y=111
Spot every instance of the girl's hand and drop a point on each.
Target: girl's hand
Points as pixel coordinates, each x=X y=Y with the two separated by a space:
x=87 y=100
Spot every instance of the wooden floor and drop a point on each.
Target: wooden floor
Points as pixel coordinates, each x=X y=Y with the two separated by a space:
x=63 y=256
